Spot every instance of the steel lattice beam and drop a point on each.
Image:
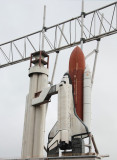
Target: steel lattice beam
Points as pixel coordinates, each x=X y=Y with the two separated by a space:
x=67 y=31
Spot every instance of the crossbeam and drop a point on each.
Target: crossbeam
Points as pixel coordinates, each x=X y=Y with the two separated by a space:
x=13 y=52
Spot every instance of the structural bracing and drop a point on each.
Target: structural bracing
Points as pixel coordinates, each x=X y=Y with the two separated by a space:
x=68 y=32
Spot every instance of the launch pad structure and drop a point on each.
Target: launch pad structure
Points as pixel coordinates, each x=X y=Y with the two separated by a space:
x=85 y=157
x=89 y=33
x=40 y=94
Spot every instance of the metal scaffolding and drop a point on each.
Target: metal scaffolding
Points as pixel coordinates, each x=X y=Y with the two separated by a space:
x=62 y=35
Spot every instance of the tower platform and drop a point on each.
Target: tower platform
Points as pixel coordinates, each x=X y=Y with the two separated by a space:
x=83 y=157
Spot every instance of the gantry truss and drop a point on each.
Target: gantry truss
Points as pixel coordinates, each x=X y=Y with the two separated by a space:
x=61 y=36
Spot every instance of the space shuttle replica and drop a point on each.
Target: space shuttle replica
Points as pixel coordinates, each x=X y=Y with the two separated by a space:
x=74 y=108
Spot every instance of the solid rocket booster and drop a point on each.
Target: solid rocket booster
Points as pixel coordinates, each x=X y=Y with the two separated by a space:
x=87 y=98
x=76 y=71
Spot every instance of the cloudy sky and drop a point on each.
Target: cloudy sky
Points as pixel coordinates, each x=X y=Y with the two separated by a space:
x=20 y=17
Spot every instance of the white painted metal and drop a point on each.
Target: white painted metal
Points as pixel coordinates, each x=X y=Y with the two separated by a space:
x=44 y=93
x=82 y=24
x=25 y=127
x=68 y=123
x=87 y=56
x=55 y=141
x=90 y=144
x=87 y=98
x=44 y=17
x=64 y=112
x=54 y=130
x=31 y=117
x=63 y=124
x=97 y=50
x=56 y=59
x=41 y=98
x=35 y=120
x=38 y=70
x=40 y=117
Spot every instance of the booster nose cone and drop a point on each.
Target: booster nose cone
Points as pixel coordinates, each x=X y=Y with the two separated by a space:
x=76 y=71
x=87 y=73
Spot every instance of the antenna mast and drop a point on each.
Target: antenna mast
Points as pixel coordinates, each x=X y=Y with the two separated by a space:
x=82 y=23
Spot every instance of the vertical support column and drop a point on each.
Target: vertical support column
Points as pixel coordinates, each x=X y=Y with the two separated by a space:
x=56 y=59
x=97 y=50
x=31 y=117
x=82 y=24
x=25 y=127
x=34 y=125
x=44 y=17
x=90 y=144
x=40 y=117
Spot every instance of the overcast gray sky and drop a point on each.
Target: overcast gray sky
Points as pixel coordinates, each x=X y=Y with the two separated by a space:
x=20 y=17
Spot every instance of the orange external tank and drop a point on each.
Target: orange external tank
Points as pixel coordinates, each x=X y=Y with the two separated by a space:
x=76 y=72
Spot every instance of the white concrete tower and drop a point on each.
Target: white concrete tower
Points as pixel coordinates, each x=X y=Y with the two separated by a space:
x=34 y=123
